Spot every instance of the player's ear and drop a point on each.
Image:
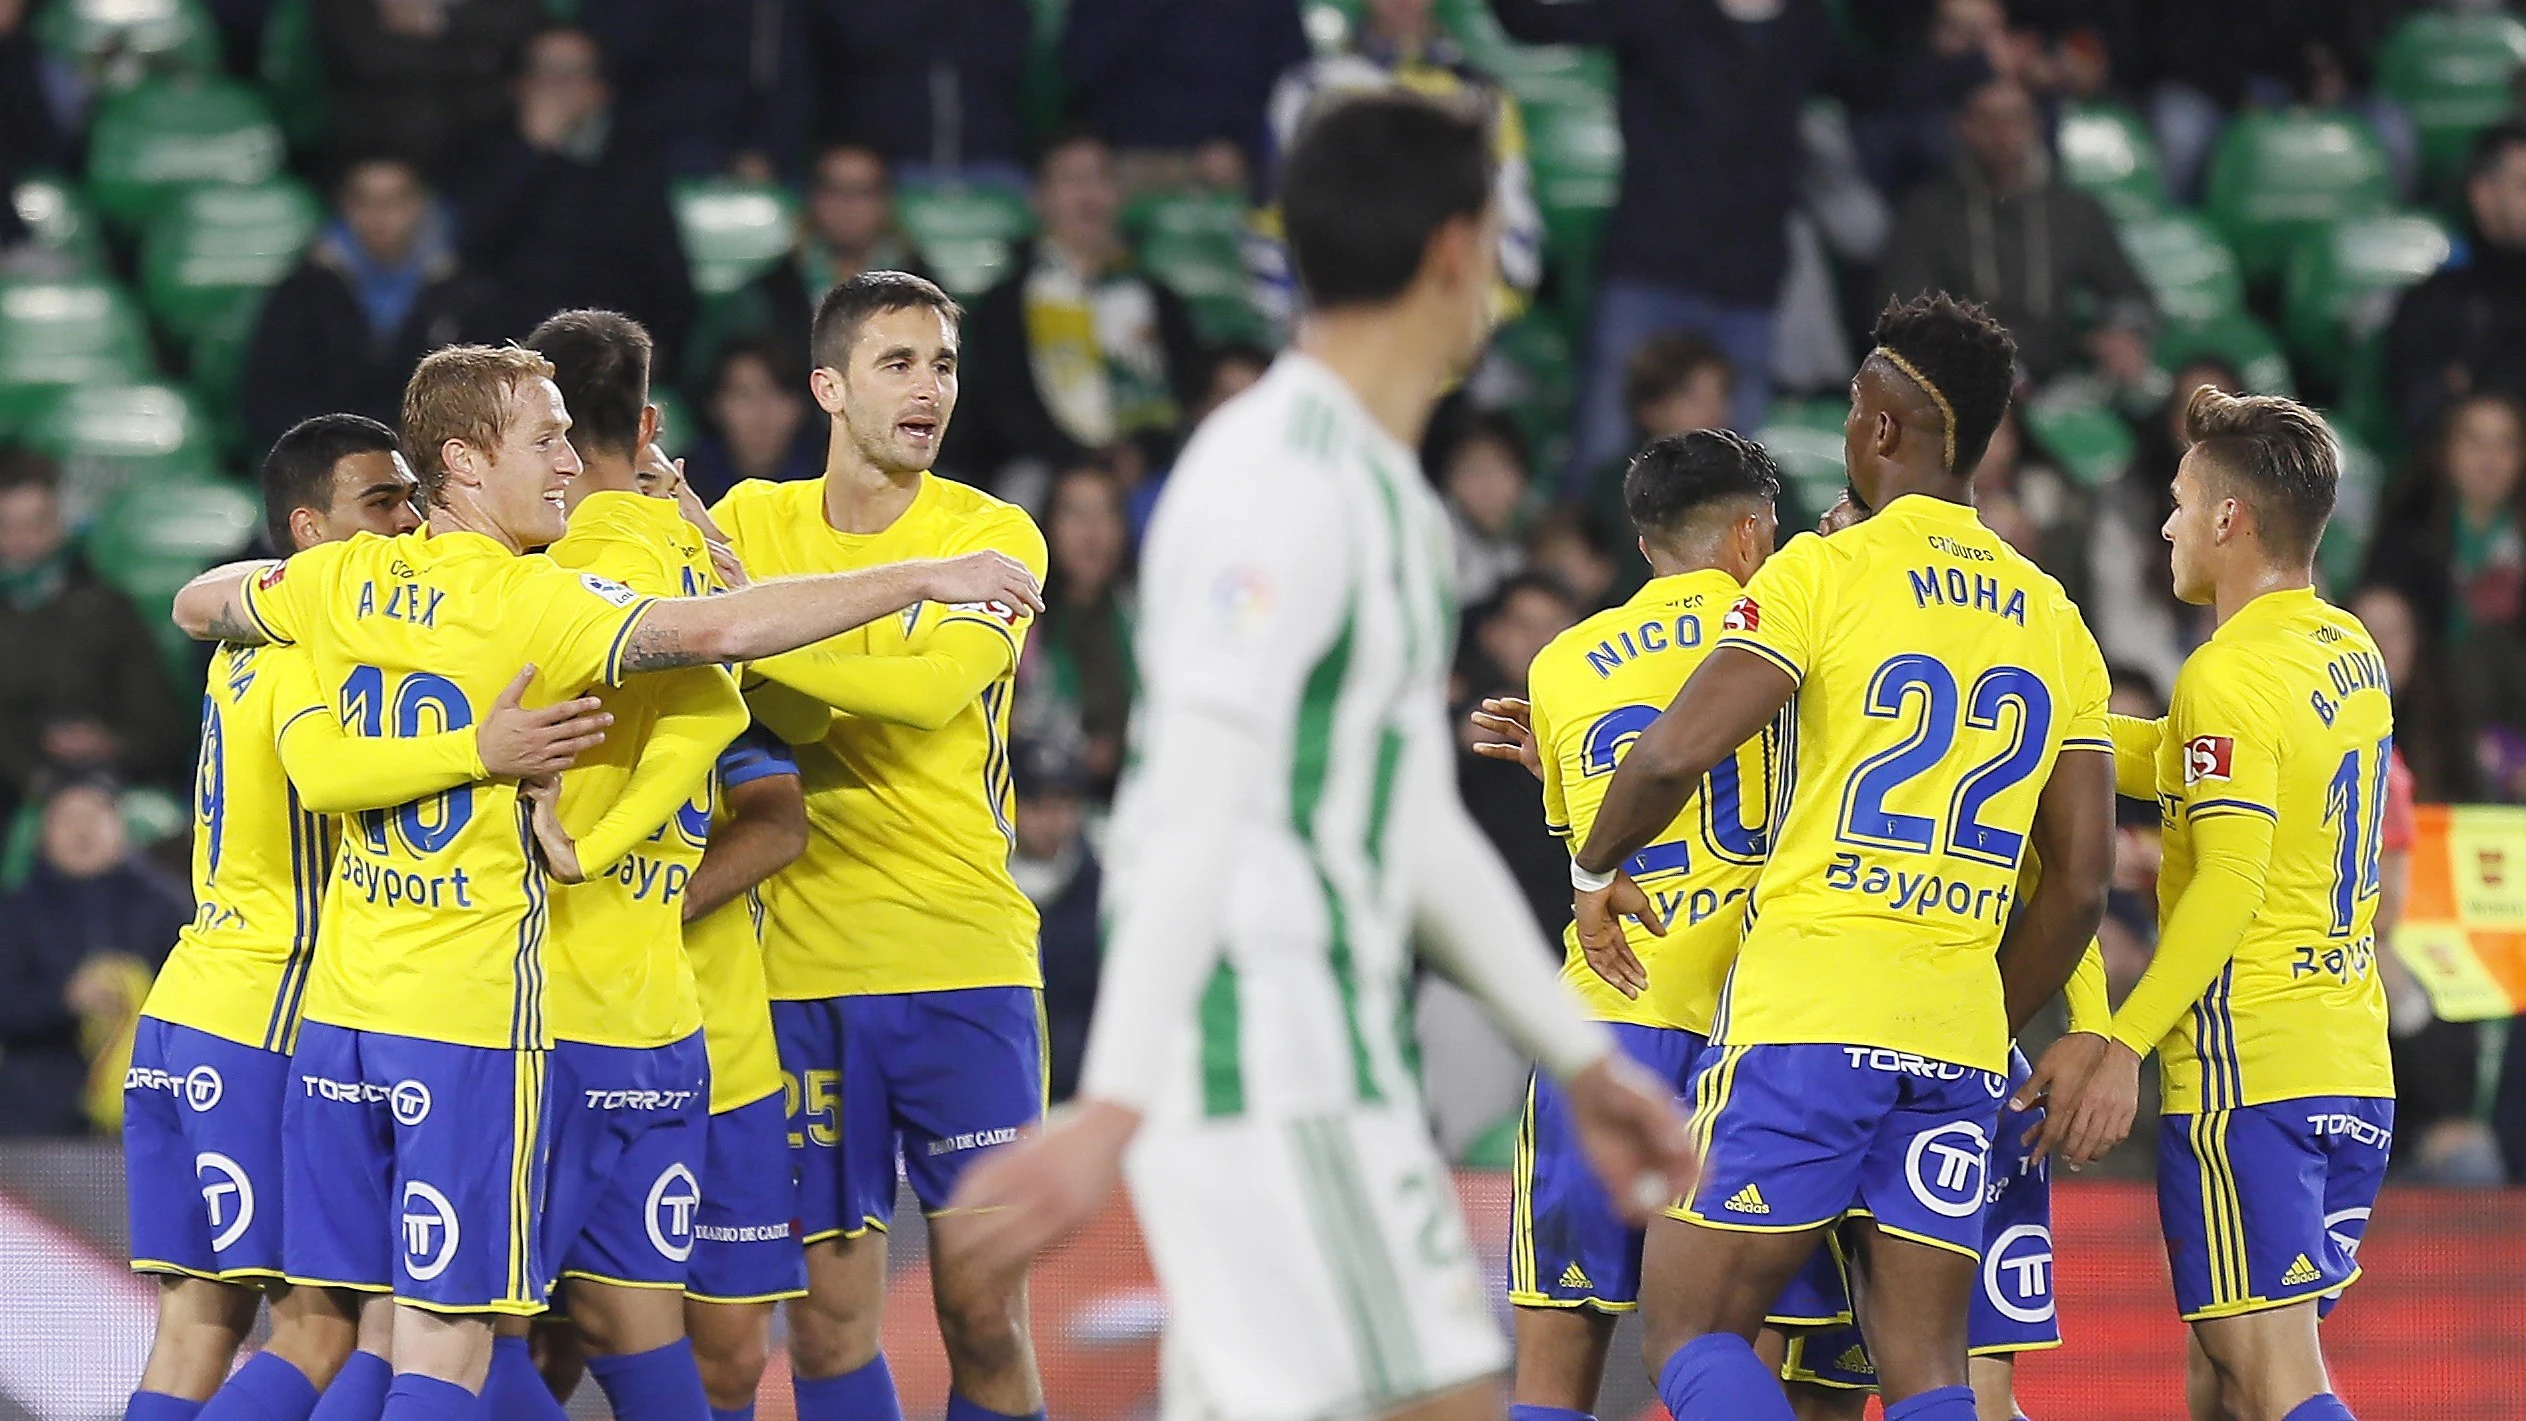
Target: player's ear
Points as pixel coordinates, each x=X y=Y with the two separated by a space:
x=825 y=383
x=303 y=531
x=1889 y=434
x=648 y=428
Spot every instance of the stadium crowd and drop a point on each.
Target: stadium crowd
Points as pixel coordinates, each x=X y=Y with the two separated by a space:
x=1707 y=201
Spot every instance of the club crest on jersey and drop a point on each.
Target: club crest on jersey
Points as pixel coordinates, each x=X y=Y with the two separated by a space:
x=2208 y=757
x=1745 y=615
x=612 y=591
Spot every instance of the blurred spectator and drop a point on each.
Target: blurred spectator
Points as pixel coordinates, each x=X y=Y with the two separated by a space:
x=848 y=228
x=1504 y=633
x=1480 y=467
x=2464 y=329
x=1577 y=553
x=934 y=88
x=29 y=139
x=2209 y=61
x=1399 y=45
x=1076 y=686
x=1231 y=370
x=754 y=421
x=558 y=210
x=1056 y=868
x=1158 y=79
x=1904 y=132
x=1673 y=384
x=2429 y=738
x=2451 y=537
x=379 y=289
x=413 y=77
x=2132 y=606
x=78 y=944
x=1708 y=93
x=1076 y=353
x=2034 y=508
x=707 y=84
x=80 y=682
x=2042 y=255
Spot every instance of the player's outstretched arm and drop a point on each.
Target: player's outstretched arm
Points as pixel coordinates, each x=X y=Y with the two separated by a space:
x=2073 y=837
x=337 y=772
x=784 y=614
x=212 y=607
x=1731 y=696
x=765 y=832
x=924 y=692
x=699 y=712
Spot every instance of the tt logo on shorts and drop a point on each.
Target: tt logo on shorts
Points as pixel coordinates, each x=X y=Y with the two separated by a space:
x=2017 y=1273
x=202 y=1088
x=2347 y=1238
x=673 y=1201
x=1957 y=1154
x=227 y=1196
x=410 y=1100
x=429 y=1231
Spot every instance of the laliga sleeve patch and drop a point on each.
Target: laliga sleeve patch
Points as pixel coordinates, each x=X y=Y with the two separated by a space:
x=2208 y=757
x=1007 y=614
x=1241 y=600
x=1745 y=615
x=271 y=576
x=608 y=589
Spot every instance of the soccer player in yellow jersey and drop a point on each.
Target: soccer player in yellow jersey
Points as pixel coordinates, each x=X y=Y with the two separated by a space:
x=2263 y=1000
x=899 y=952
x=1944 y=716
x=210 y=1059
x=1702 y=503
x=414 y=1133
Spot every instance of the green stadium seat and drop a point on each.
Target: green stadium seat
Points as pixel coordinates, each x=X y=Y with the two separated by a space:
x=59 y=333
x=215 y=368
x=2191 y=272
x=292 y=68
x=209 y=248
x=1195 y=243
x=2451 y=74
x=1804 y=437
x=2344 y=551
x=2236 y=338
x=115 y=44
x=1046 y=95
x=110 y=437
x=153 y=537
x=732 y=230
x=2077 y=426
x=2107 y=152
x=2275 y=177
x=170 y=134
x=2343 y=281
x=967 y=233
x=57 y=217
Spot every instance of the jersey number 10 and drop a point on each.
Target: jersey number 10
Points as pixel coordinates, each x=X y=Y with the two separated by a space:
x=431 y=823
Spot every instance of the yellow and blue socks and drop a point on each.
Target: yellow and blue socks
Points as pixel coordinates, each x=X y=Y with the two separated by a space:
x=1948 y=1403
x=959 y=1409
x=1717 y=1377
x=266 y=1388
x=514 y=1390
x=864 y=1395
x=159 y=1406
x=2323 y=1406
x=414 y=1397
x=358 y=1391
x=1520 y=1411
x=661 y=1384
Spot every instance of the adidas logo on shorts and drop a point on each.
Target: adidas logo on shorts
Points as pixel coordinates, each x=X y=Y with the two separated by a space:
x=1748 y=1200
x=2300 y=1272
x=1854 y=1358
x=1571 y=1277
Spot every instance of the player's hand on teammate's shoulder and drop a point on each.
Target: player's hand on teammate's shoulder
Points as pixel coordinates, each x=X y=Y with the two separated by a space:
x=1600 y=918
x=515 y=743
x=1027 y=1196
x=985 y=576
x=1510 y=722
x=2089 y=1086
x=724 y=561
x=1635 y=1139
x=560 y=851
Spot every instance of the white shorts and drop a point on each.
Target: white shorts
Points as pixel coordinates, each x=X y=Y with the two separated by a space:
x=1313 y=1268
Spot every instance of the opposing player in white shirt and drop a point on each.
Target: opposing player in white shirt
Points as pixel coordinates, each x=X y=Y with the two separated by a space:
x=1291 y=827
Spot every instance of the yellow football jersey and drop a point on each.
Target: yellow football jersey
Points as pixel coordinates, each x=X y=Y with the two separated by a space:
x=616 y=973
x=1593 y=690
x=1939 y=674
x=2284 y=713
x=434 y=916
x=905 y=883
x=239 y=969
x=726 y=946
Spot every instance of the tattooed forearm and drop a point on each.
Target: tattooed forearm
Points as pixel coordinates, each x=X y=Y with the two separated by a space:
x=657 y=647
x=230 y=623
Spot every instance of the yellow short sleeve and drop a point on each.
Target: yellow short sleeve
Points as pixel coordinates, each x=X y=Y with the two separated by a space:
x=2223 y=731
x=1780 y=616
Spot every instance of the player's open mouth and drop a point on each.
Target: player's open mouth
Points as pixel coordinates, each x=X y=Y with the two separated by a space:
x=554 y=497
x=919 y=430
